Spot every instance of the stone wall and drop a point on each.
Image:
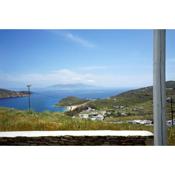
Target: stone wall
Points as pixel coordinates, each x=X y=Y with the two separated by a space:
x=77 y=140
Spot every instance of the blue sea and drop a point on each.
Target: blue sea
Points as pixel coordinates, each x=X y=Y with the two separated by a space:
x=46 y=100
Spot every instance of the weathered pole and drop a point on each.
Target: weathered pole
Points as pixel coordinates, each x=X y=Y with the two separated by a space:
x=159 y=87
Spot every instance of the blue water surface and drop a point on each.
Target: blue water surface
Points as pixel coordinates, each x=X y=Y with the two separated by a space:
x=46 y=100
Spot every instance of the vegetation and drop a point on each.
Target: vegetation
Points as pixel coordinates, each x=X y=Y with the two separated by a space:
x=16 y=120
x=126 y=118
x=4 y=93
x=71 y=100
x=138 y=102
x=130 y=105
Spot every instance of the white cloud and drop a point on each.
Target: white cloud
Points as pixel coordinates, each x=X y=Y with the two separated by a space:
x=67 y=76
x=91 y=68
x=79 y=40
x=61 y=76
x=73 y=38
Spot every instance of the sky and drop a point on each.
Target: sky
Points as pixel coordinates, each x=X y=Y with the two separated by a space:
x=106 y=58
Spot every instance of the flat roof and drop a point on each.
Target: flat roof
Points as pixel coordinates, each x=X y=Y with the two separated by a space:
x=124 y=133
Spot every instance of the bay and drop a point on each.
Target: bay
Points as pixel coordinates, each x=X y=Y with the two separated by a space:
x=46 y=100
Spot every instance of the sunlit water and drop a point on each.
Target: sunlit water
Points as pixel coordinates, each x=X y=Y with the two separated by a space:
x=45 y=101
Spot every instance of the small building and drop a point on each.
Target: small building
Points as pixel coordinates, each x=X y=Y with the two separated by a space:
x=92 y=114
x=143 y=122
x=169 y=122
x=84 y=115
x=96 y=117
x=89 y=109
x=123 y=114
x=102 y=112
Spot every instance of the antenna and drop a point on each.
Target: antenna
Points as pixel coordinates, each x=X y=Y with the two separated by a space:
x=29 y=93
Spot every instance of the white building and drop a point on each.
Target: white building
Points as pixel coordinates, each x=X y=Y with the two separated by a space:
x=169 y=122
x=90 y=109
x=143 y=122
x=85 y=116
x=97 y=117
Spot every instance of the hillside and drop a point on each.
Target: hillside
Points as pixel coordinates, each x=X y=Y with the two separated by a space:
x=144 y=94
x=71 y=100
x=4 y=93
x=134 y=102
x=138 y=102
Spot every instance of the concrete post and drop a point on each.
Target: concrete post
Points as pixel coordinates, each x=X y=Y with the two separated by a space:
x=159 y=89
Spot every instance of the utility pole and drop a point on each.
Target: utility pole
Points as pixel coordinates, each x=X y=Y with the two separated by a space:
x=29 y=93
x=159 y=88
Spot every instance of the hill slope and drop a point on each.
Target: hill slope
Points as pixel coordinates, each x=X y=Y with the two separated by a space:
x=71 y=100
x=134 y=102
x=4 y=93
x=130 y=103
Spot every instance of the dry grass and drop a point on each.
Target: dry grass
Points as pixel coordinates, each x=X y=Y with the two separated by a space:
x=15 y=120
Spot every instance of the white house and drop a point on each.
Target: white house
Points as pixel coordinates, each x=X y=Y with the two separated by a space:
x=143 y=122
x=97 y=117
x=85 y=116
x=169 y=122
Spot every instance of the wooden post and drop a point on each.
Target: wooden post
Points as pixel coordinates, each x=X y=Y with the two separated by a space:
x=159 y=89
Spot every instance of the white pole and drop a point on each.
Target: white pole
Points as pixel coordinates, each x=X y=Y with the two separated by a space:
x=159 y=89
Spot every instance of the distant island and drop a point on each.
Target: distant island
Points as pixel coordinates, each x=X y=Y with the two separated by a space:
x=5 y=93
x=73 y=86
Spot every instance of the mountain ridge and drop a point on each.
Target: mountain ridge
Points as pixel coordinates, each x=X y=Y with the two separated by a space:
x=72 y=86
